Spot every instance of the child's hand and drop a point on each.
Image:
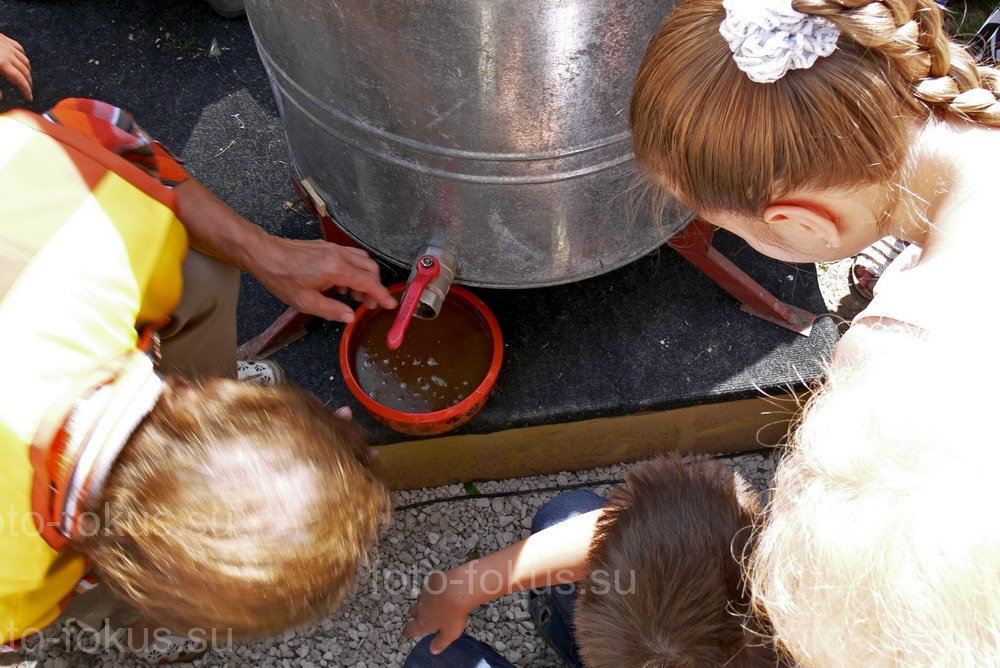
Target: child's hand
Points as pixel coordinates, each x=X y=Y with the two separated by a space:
x=14 y=65
x=442 y=607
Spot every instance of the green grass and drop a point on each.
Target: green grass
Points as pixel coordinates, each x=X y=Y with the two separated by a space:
x=968 y=17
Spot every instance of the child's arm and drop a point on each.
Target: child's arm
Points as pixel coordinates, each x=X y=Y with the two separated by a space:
x=14 y=65
x=557 y=555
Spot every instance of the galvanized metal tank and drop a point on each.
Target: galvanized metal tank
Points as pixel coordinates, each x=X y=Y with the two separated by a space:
x=495 y=130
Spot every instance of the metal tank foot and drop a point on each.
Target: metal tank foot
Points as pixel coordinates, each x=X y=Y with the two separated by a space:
x=288 y=328
x=694 y=242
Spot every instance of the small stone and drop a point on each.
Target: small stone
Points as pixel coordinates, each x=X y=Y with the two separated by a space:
x=482 y=503
x=388 y=608
x=471 y=542
x=303 y=651
x=433 y=538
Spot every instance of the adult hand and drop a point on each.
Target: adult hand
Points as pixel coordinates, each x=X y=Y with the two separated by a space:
x=14 y=66
x=296 y=272
x=443 y=608
x=300 y=272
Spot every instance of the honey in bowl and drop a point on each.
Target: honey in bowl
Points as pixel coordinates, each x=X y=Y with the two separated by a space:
x=440 y=363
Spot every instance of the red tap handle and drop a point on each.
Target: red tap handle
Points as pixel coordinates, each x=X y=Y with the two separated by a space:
x=428 y=269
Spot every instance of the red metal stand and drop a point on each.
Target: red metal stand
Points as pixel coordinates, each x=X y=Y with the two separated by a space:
x=694 y=242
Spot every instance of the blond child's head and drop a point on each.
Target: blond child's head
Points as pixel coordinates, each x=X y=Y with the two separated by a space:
x=723 y=143
x=881 y=546
x=665 y=586
x=239 y=508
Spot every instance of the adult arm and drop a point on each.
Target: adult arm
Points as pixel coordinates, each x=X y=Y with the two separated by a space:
x=297 y=272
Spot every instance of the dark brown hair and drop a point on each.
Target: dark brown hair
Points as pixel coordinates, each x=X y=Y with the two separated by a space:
x=237 y=507
x=677 y=533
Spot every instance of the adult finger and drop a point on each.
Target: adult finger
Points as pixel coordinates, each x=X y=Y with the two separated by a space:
x=363 y=262
x=21 y=54
x=368 y=284
x=17 y=78
x=14 y=73
x=344 y=412
x=21 y=64
x=326 y=307
x=357 y=251
x=13 y=42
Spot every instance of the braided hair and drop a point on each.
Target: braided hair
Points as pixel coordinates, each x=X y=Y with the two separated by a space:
x=723 y=143
x=911 y=33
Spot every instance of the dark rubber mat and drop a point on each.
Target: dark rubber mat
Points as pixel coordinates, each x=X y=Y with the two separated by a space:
x=654 y=335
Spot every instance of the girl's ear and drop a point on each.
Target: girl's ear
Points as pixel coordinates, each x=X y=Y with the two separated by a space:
x=800 y=216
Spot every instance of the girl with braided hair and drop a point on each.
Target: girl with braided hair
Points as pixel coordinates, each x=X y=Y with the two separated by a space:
x=811 y=129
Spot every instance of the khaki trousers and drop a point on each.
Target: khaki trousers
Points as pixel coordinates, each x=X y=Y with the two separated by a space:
x=200 y=340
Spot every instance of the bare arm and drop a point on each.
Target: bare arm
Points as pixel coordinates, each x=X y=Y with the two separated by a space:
x=297 y=272
x=554 y=556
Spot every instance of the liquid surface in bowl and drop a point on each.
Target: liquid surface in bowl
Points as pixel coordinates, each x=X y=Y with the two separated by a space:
x=440 y=362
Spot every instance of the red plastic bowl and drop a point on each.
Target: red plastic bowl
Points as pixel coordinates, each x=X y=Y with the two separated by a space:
x=436 y=422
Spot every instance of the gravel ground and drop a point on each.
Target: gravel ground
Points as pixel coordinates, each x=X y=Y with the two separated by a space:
x=841 y=303
x=366 y=632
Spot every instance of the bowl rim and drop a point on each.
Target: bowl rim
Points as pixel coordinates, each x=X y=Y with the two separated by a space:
x=443 y=415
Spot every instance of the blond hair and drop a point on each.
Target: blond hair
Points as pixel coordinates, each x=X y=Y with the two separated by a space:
x=881 y=546
x=723 y=143
x=665 y=586
x=237 y=507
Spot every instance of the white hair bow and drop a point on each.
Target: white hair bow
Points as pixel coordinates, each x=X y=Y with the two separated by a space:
x=769 y=37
